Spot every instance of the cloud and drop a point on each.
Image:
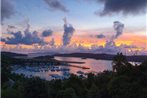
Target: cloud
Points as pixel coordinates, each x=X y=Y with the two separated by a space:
x=68 y=32
x=10 y=27
x=7 y=9
x=32 y=38
x=100 y=36
x=47 y=33
x=56 y=5
x=3 y=40
x=17 y=38
x=128 y=46
x=118 y=27
x=52 y=42
x=122 y=6
x=26 y=37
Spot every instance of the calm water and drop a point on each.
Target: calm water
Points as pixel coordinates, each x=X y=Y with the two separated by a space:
x=94 y=65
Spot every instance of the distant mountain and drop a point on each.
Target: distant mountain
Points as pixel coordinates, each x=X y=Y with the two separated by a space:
x=10 y=54
x=136 y=58
x=41 y=54
x=44 y=57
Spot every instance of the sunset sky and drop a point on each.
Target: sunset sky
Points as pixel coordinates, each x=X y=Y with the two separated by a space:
x=92 y=22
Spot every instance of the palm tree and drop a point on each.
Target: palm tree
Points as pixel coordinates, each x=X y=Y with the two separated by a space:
x=119 y=61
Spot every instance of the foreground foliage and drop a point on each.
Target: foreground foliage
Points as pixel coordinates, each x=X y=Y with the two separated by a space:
x=125 y=81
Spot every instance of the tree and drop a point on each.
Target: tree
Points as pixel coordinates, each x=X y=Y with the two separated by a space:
x=67 y=93
x=94 y=92
x=123 y=87
x=35 y=88
x=5 y=69
x=119 y=61
x=9 y=93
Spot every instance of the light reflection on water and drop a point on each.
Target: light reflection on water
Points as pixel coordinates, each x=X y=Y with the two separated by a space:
x=93 y=64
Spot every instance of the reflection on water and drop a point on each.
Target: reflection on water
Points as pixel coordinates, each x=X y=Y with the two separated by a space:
x=46 y=73
x=43 y=73
x=93 y=64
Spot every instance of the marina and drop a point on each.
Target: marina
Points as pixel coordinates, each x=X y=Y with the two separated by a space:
x=51 y=71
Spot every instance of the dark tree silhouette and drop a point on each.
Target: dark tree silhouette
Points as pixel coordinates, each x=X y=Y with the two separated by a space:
x=119 y=61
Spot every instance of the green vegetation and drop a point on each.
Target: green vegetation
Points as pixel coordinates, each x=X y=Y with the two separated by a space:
x=125 y=81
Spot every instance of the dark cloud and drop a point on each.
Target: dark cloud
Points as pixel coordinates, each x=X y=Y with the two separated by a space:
x=7 y=9
x=56 y=5
x=68 y=32
x=27 y=39
x=10 y=27
x=17 y=38
x=47 y=33
x=33 y=38
x=123 y=6
x=3 y=40
x=100 y=36
x=118 y=27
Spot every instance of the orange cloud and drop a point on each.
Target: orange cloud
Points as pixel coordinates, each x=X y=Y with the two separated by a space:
x=87 y=41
